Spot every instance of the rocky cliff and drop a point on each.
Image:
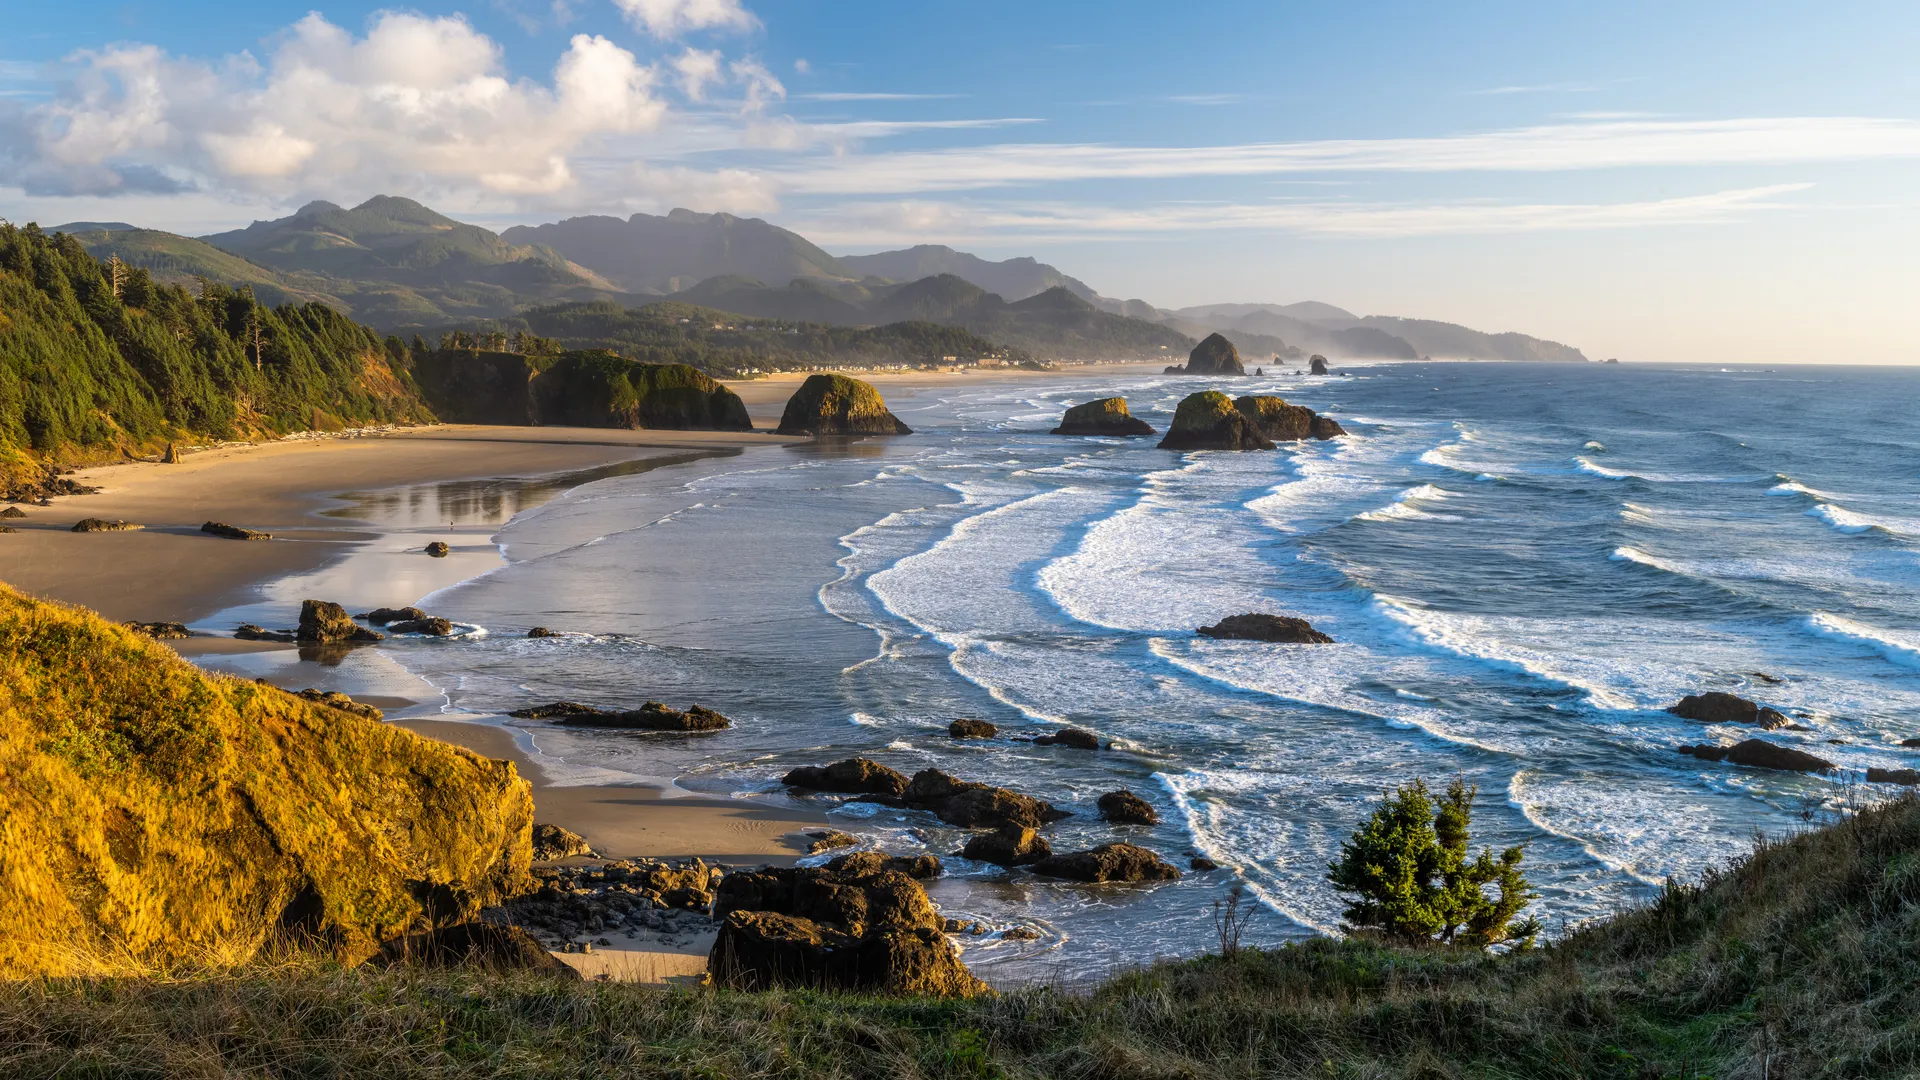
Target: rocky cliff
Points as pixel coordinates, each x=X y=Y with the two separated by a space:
x=838 y=405
x=152 y=815
x=585 y=388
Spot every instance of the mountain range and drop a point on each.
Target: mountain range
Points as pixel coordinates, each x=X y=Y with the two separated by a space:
x=398 y=265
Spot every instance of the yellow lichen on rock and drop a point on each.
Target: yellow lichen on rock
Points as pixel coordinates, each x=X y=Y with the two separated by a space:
x=153 y=815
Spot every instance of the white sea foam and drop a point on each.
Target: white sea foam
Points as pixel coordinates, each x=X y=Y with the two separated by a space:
x=1853 y=523
x=1595 y=445
x=1626 y=553
x=1591 y=468
x=1401 y=508
x=1789 y=486
x=1897 y=646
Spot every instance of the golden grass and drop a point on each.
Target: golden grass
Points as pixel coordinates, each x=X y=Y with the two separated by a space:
x=153 y=815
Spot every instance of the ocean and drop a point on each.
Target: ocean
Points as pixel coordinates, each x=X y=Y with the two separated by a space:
x=1521 y=566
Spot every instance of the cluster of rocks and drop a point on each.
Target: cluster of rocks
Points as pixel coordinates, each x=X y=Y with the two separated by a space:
x=1209 y=420
x=40 y=488
x=247 y=631
x=652 y=716
x=1718 y=707
x=325 y=623
x=1254 y=626
x=92 y=525
x=577 y=907
x=160 y=630
x=233 y=532
x=1012 y=820
x=855 y=924
x=334 y=699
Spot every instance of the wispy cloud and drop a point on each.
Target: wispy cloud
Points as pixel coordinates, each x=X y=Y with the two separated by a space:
x=888 y=222
x=876 y=97
x=1207 y=99
x=1541 y=88
x=1551 y=148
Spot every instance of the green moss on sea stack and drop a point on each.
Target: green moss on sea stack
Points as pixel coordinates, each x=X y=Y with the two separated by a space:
x=1281 y=422
x=838 y=405
x=1107 y=416
x=1208 y=421
x=1215 y=356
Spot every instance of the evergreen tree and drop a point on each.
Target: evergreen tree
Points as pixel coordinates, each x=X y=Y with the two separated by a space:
x=1411 y=877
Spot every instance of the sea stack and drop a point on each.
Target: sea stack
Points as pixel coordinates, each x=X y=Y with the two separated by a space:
x=1281 y=422
x=1208 y=421
x=838 y=405
x=1318 y=365
x=1215 y=356
x=1107 y=416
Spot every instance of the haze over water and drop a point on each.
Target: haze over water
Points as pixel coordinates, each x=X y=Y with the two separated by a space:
x=1520 y=564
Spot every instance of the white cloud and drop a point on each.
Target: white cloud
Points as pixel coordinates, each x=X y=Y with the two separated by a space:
x=877 y=97
x=801 y=67
x=762 y=89
x=671 y=18
x=697 y=69
x=1548 y=148
x=416 y=102
x=924 y=221
x=1541 y=88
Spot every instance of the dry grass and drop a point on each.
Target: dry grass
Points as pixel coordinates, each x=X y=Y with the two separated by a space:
x=152 y=815
x=1802 y=961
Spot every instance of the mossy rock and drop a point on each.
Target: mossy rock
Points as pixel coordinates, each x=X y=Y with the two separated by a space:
x=1282 y=422
x=1208 y=421
x=1107 y=416
x=1215 y=356
x=154 y=815
x=838 y=405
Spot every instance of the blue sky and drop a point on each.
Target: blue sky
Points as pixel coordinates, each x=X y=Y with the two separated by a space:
x=1708 y=181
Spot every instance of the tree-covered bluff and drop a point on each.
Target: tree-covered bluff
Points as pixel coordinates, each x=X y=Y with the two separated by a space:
x=99 y=360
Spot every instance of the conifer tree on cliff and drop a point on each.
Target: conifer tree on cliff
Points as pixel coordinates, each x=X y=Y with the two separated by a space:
x=1410 y=877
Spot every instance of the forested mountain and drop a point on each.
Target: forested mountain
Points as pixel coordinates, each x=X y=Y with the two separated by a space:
x=649 y=254
x=98 y=359
x=724 y=343
x=182 y=260
x=395 y=263
x=1012 y=279
x=1054 y=324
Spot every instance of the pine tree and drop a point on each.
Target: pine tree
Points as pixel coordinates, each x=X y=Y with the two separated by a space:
x=1411 y=879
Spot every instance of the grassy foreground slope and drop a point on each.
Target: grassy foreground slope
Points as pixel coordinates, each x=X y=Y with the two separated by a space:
x=153 y=815
x=1801 y=961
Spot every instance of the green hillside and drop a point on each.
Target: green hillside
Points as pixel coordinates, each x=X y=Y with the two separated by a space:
x=86 y=373
x=182 y=260
x=725 y=344
x=1055 y=324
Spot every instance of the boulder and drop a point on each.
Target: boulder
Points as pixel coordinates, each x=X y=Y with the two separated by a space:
x=552 y=842
x=88 y=525
x=8 y=529
x=1078 y=738
x=1760 y=754
x=247 y=631
x=1008 y=845
x=160 y=630
x=233 y=532
x=854 y=928
x=555 y=710
x=917 y=867
x=431 y=627
x=1714 y=707
x=972 y=805
x=1208 y=421
x=652 y=716
x=1281 y=422
x=1259 y=627
x=972 y=729
x=1123 y=807
x=1911 y=744
x=473 y=945
x=1202 y=864
x=334 y=699
x=13 y=512
x=858 y=776
x=383 y=616
x=1107 y=416
x=829 y=839
x=1215 y=356
x=1108 y=862
x=322 y=621
x=838 y=405
x=1907 y=777
x=541 y=631
x=172 y=456
x=1317 y=365
x=439 y=549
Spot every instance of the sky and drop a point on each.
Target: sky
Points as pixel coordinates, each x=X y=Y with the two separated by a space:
x=1712 y=182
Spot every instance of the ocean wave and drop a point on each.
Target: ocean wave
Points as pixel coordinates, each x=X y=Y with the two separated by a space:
x=1853 y=522
x=1630 y=554
x=1606 y=683
x=1595 y=445
x=1581 y=464
x=1789 y=486
x=1902 y=649
x=1400 y=510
